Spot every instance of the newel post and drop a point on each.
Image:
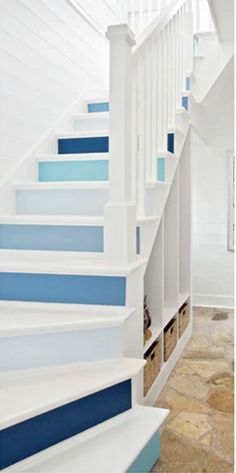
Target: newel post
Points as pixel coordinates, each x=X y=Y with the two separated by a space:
x=120 y=212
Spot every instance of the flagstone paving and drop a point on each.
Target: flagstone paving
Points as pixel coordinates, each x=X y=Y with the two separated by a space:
x=198 y=434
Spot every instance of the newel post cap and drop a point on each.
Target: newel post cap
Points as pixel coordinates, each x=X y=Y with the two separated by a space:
x=121 y=31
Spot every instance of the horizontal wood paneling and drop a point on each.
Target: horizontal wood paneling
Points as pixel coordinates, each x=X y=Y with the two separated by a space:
x=51 y=52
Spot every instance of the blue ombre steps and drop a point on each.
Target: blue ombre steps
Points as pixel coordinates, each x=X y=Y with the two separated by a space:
x=96 y=449
x=42 y=334
x=166 y=166
x=83 y=142
x=90 y=168
x=63 y=402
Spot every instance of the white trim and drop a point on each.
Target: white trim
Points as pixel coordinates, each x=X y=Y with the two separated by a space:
x=213 y=300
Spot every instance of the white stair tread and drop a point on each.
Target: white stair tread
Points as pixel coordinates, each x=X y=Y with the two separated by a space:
x=54 y=262
x=63 y=219
x=177 y=131
x=156 y=184
x=109 y=447
x=65 y=185
x=26 y=318
x=167 y=155
x=28 y=393
x=73 y=157
x=82 y=134
x=91 y=115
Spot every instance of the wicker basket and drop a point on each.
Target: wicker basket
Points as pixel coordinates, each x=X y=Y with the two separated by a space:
x=170 y=338
x=183 y=318
x=153 y=365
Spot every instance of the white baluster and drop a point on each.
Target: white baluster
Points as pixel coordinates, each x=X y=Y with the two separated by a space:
x=153 y=108
x=141 y=133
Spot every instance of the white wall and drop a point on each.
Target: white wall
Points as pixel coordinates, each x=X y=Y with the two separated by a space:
x=213 y=264
x=52 y=52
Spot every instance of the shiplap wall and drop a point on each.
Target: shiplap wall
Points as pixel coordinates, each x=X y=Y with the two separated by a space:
x=51 y=52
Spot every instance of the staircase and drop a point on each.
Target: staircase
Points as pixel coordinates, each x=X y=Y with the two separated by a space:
x=106 y=221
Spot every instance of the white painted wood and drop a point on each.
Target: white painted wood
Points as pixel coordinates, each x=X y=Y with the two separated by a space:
x=48 y=389
x=95 y=449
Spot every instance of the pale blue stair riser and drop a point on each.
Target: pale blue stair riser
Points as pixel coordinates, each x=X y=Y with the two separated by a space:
x=51 y=237
x=55 y=238
x=171 y=142
x=91 y=124
x=161 y=174
x=96 y=144
x=94 y=170
x=38 y=433
x=64 y=288
x=148 y=456
x=185 y=102
x=98 y=107
x=59 y=348
x=188 y=83
x=61 y=202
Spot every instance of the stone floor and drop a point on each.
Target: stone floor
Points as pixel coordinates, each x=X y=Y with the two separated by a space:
x=198 y=435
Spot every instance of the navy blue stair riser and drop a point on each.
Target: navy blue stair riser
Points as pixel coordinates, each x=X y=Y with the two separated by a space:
x=98 y=107
x=98 y=144
x=148 y=456
x=38 y=433
x=51 y=237
x=171 y=142
x=55 y=237
x=63 y=288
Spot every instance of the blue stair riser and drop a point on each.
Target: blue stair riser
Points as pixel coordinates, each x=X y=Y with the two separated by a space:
x=188 y=83
x=185 y=102
x=97 y=107
x=171 y=142
x=91 y=124
x=38 y=433
x=51 y=237
x=55 y=238
x=96 y=144
x=61 y=202
x=64 y=288
x=59 y=348
x=94 y=170
x=161 y=170
x=148 y=456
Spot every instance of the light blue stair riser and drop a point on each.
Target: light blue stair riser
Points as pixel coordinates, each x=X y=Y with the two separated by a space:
x=64 y=288
x=91 y=124
x=188 y=83
x=55 y=238
x=171 y=142
x=148 y=457
x=94 y=170
x=96 y=144
x=161 y=169
x=185 y=102
x=61 y=202
x=96 y=107
x=35 y=434
x=51 y=237
x=48 y=349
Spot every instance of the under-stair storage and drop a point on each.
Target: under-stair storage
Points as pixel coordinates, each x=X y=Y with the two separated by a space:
x=170 y=338
x=153 y=358
x=184 y=313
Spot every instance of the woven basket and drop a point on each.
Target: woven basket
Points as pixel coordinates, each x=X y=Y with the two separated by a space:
x=153 y=365
x=170 y=338
x=183 y=318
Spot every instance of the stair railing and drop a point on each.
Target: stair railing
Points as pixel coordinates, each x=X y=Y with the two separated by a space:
x=146 y=85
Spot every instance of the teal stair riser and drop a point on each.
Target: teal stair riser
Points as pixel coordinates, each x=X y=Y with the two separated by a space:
x=63 y=288
x=94 y=170
x=55 y=238
x=185 y=102
x=48 y=349
x=161 y=169
x=22 y=440
x=148 y=457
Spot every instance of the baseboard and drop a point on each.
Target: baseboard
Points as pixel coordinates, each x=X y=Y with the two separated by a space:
x=213 y=300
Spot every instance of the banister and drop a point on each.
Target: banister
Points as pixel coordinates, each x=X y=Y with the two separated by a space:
x=158 y=23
